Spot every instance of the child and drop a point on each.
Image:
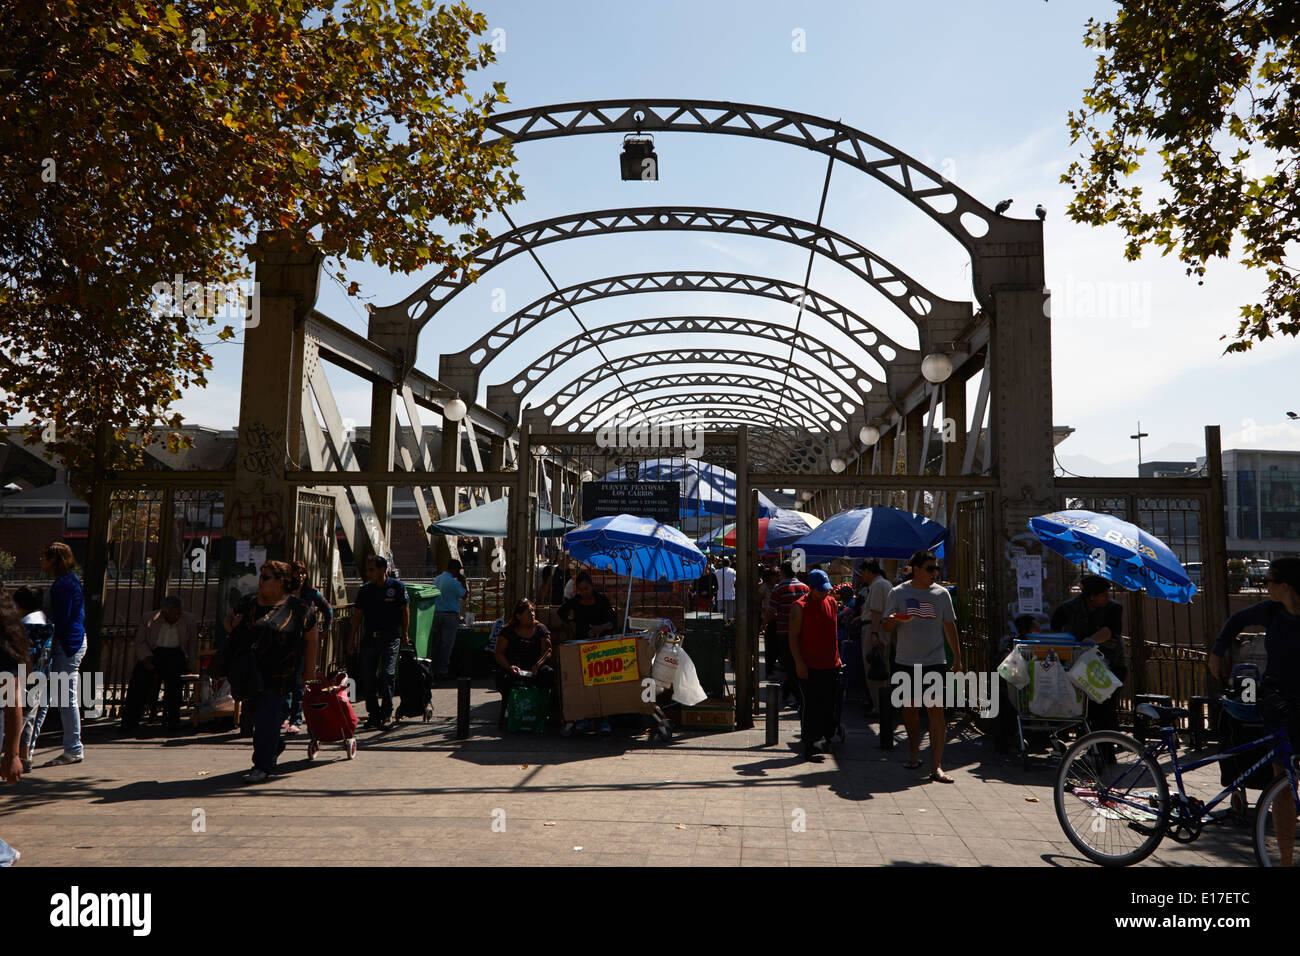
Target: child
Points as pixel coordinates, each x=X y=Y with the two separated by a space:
x=40 y=635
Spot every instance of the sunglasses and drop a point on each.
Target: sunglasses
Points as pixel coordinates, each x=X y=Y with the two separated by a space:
x=931 y=568
x=270 y=577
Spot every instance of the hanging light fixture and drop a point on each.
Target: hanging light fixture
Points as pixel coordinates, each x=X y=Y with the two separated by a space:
x=837 y=465
x=869 y=434
x=936 y=367
x=638 y=161
x=455 y=410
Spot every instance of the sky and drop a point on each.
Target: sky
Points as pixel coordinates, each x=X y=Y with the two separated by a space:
x=979 y=92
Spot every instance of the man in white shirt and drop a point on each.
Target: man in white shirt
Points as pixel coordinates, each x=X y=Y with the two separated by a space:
x=875 y=592
x=726 y=576
x=166 y=648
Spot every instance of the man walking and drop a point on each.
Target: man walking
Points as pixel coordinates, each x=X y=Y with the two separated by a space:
x=920 y=612
x=382 y=603
x=875 y=593
x=815 y=648
x=787 y=591
x=726 y=576
x=446 y=616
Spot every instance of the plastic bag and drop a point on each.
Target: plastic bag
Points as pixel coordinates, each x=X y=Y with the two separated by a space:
x=687 y=689
x=1091 y=675
x=1014 y=670
x=1054 y=695
x=666 y=665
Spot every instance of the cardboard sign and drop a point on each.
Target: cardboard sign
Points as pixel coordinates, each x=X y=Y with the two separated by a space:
x=609 y=662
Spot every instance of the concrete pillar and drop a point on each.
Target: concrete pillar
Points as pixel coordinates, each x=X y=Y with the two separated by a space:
x=444 y=546
x=1020 y=357
x=261 y=508
x=888 y=440
x=914 y=440
x=383 y=443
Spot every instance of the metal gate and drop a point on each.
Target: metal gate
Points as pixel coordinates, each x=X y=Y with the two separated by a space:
x=1167 y=641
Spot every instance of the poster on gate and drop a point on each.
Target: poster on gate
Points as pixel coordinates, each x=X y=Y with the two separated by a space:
x=609 y=662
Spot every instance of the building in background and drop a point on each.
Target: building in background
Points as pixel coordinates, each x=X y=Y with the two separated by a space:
x=1262 y=502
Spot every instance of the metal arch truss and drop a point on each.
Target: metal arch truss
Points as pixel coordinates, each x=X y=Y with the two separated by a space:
x=971 y=222
x=913 y=299
x=721 y=401
x=769 y=396
x=773 y=441
x=811 y=392
x=460 y=370
x=504 y=399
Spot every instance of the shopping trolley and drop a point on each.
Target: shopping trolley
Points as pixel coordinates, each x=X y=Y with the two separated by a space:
x=1057 y=650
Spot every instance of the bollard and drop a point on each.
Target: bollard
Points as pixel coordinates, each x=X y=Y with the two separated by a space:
x=773 y=711
x=462 y=708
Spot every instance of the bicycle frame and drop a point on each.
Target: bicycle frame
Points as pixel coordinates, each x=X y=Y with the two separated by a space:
x=1281 y=748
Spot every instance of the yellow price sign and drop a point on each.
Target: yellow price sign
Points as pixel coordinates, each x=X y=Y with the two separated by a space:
x=609 y=662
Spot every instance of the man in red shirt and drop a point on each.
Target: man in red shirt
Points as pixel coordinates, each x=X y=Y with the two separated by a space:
x=815 y=646
x=787 y=591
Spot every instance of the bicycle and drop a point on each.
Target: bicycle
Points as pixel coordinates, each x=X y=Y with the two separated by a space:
x=1110 y=791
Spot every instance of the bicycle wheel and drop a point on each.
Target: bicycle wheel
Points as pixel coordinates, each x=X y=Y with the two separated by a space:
x=1275 y=825
x=1111 y=801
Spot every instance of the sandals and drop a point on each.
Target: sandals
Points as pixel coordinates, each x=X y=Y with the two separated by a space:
x=912 y=765
x=938 y=776
x=63 y=760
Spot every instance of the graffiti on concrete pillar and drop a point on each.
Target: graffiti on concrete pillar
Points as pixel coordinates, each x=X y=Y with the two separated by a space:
x=260 y=450
x=257 y=517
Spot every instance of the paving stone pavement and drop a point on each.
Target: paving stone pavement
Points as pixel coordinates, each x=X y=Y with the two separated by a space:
x=415 y=795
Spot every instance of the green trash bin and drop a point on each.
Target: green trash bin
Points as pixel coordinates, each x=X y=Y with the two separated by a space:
x=421 y=598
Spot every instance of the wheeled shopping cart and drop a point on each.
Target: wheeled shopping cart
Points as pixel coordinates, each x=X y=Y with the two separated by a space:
x=1032 y=717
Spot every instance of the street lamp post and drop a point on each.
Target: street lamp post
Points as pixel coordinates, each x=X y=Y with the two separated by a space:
x=1139 y=436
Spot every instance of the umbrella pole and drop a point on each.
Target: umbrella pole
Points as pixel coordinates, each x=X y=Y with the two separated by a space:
x=627 y=606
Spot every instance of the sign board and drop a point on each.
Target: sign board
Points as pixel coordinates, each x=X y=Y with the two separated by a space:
x=659 y=500
x=1029 y=583
x=609 y=662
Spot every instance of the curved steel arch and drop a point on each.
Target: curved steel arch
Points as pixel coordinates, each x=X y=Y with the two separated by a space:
x=766 y=432
x=460 y=370
x=721 y=401
x=783 y=449
x=637 y=387
x=815 y=388
x=767 y=399
x=505 y=398
x=912 y=298
x=920 y=185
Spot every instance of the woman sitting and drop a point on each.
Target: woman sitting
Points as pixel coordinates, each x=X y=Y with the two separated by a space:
x=522 y=650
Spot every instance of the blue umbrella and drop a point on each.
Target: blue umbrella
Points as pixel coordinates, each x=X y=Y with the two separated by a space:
x=705 y=489
x=876 y=532
x=1117 y=551
x=638 y=547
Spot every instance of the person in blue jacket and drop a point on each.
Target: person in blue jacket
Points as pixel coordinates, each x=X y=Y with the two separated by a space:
x=1278 y=696
x=66 y=610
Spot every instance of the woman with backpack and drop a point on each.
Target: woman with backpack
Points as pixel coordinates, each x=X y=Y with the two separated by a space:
x=280 y=632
